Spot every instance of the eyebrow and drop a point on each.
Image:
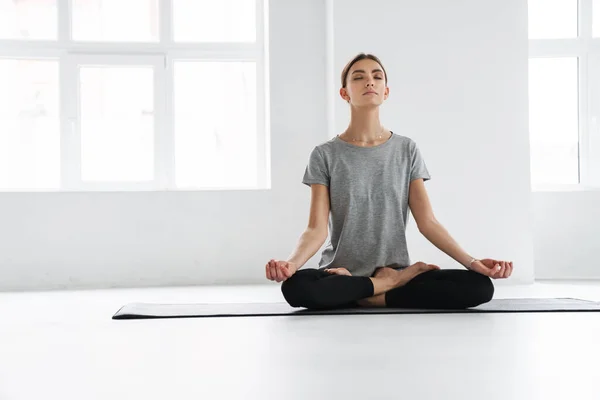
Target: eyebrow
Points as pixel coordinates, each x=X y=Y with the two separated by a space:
x=363 y=71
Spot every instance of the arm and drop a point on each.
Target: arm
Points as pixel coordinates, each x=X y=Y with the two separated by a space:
x=430 y=227
x=315 y=233
x=310 y=241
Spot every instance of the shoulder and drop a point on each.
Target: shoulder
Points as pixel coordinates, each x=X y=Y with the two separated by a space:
x=405 y=143
x=327 y=145
x=323 y=149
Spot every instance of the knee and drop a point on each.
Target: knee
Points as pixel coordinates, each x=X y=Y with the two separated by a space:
x=482 y=290
x=296 y=291
x=290 y=290
x=304 y=290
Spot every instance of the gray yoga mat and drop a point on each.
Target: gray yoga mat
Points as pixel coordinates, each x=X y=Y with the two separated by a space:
x=146 y=310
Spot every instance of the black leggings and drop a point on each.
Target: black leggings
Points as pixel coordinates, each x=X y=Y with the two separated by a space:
x=436 y=289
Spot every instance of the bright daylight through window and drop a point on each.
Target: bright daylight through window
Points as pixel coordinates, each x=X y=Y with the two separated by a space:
x=564 y=92
x=133 y=95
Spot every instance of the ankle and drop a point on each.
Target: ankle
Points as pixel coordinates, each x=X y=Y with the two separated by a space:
x=382 y=284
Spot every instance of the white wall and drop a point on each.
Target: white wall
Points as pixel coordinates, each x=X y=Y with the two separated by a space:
x=458 y=86
x=567 y=234
x=458 y=77
x=59 y=240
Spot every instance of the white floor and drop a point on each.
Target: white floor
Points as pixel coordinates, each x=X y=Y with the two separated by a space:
x=64 y=345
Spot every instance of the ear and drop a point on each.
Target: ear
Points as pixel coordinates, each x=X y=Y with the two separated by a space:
x=344 y=94
x=386 y=94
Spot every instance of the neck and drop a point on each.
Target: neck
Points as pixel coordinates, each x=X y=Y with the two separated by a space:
x=364 y=125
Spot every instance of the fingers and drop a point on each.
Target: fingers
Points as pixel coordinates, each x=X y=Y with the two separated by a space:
x=277 y=271
x=268 y=271
x=285 y=271
x=509 y=268
x=280 y=275
x=338 y=271
x=433 y=266
x=271 y=275
x=281 y=270
x=505 y=269
x=273 y=269
x=495 y=270
x=501 y=270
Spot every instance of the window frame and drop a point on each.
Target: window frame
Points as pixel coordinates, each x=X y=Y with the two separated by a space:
x=587 y=50
x=66 y=52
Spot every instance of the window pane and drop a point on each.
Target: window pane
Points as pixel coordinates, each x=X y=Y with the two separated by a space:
x=596 y=18
x=214 y=21
x=594 y=153
x=29 y=125
x=593 y=139
x=28 y=19
x=553 y=120
x=117 y=123
x=215 y=124
x=552 y=19
x=115 y=20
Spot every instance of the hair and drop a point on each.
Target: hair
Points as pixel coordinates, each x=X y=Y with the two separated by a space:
x=361 y=56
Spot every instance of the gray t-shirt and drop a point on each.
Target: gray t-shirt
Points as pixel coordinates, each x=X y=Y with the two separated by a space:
x=368 y=192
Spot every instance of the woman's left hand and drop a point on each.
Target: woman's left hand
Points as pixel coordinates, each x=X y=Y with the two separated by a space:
x=338 y=271
x=495 y=269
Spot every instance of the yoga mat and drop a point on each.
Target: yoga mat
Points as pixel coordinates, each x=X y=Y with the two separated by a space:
x=146 y=310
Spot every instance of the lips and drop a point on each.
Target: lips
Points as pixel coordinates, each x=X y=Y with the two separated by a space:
x=370 y=93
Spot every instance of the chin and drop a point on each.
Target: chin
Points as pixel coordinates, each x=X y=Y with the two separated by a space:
x=370 y=104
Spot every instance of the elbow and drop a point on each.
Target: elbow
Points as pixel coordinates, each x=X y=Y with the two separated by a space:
x=426 y=226
x=319 y=233
x=323 y=237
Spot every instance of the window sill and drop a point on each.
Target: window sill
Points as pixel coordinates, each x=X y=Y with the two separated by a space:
x=565 y=188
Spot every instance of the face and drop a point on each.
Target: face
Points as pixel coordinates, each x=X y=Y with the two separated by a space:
x=365 y=84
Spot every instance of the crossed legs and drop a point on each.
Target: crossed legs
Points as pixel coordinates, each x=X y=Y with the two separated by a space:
x=433 y=289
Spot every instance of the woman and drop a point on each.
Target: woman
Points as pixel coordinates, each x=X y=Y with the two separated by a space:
x=367 y=178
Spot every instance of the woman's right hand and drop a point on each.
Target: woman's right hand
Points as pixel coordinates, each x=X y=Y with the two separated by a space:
x=279 y=271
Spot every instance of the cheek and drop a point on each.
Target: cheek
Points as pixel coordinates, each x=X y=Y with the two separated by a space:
x=353 y=89
x=354 y=86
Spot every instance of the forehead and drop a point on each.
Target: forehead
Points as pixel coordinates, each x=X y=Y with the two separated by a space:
x=367 y=64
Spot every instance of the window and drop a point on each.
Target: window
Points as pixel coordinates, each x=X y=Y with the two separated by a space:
x=553 y=119
x=552 y=19
x=133 y=95
x=29 y=124
x=564 y=92
x=596 y=18
x=115 y=20
x=28 y=19
x=190 y=25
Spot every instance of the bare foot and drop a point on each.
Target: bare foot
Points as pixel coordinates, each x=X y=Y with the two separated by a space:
x=386 y=273
x=375 y=301
x=405 y=275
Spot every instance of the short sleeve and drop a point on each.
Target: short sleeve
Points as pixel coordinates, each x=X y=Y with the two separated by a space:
x=316 y=170
x=418 y=168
